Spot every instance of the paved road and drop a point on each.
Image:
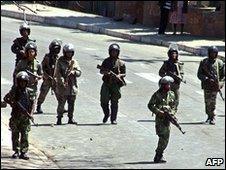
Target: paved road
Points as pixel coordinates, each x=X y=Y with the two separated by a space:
x=132 y=143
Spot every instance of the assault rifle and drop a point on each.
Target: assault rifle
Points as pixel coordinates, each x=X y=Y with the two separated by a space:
x=25 y=112
x=68 y=72
x=176 y=77
x=38 y=77
x=213 y=76
x=172 y=118
x=121 y=80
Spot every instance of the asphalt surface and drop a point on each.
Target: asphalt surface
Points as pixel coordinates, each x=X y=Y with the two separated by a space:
x=131 y=143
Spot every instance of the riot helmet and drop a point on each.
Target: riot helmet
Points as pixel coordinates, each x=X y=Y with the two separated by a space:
x=165 y=83
x=30 y=45
x=55 y=46
x=114 y=47
x=68 y=51
x=24 y=26
x=22 y=79
x=212 y=52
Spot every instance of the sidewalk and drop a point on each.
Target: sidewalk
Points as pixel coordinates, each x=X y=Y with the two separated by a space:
x=103 y=25
x=37 y=160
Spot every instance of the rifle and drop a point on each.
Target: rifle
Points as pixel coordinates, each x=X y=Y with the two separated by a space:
x=68 y=71
x=26 y=112
x=176 y=77
x=172 y=118
x=211 y=75
x=121 y=80
x=29 y=72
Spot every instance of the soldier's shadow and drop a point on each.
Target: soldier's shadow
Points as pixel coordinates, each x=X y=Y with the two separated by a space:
x=94 y=124
x=143 y=162
x=145 y=120
x=48 y=124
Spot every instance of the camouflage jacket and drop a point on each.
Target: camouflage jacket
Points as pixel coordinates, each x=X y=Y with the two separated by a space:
x=159 y=100
x=22 y=96
x=116 y=66
x=168 y=68
x=32 y=66
x=60 y=75
x=215 y=70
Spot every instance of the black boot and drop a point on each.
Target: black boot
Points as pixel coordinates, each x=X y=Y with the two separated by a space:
x=159 y=158
x=105 y=119
x=15 y=155
x=39 y=109
x=59 y=121
x=24 y=156
x=72 y=121
x=212 y=120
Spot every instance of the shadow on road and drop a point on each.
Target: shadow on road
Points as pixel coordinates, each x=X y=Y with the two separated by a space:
x=92 y=124
x=145 y=120
x=49 y=124
x=194 y=123
x=144 y=162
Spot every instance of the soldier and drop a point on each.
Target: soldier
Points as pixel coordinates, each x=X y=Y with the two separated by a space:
x=31 y=65
x=174 y=68
x=19 y=121
x=66 y=72
x=48 y=66
x=163 y=97
x=211 y=72
x=18 y=46
x=113 y=70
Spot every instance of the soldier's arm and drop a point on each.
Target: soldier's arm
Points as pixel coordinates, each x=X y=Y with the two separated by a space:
x=123 y=70
x=104 y=69
x=152 y=105
x=200 y=73
x=18 y=68
x=181 y=70
x=15 y=48
x=8 y=97
x=45 y=65
x=163 y=70
x=221 y=71
x=76 y=69
x=57 y=74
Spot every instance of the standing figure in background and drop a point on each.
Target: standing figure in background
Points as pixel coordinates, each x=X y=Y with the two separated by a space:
x=178 y=15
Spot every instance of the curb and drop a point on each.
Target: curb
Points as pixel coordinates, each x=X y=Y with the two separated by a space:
x=101 y=30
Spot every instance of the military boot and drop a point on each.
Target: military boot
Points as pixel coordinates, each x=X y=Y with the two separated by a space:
x=24 y=156
x=72 y=121
x=59 y=121
x=212 y=120
x=105 y=119
x=15 y=155
x=208 y=119
x=159 y=158
x=39 y=109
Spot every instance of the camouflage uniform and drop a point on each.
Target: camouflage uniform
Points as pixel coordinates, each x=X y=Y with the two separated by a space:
x=19 y=122
x=162 y=125
x=216 y=68
x=34 y=67
x=110 y=89
x=69 y=92
x=177 y=69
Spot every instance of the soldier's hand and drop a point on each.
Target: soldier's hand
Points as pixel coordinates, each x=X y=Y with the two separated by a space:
x=161 y=113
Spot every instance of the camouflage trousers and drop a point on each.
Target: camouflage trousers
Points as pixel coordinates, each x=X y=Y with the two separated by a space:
x=45 y=87
x=61 y=103
x=110 y=93
x=20 y=127
x=163 y=132
x=210 y=102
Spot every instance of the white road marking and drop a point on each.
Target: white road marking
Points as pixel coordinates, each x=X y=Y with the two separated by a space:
x=89 y=49
x=149 y=76
x=4 y=81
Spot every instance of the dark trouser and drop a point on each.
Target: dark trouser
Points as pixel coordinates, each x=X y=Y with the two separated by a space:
x=61 y=102
x=110 y=93
x=210 y=102
x=163 y=20
x=45 y=87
